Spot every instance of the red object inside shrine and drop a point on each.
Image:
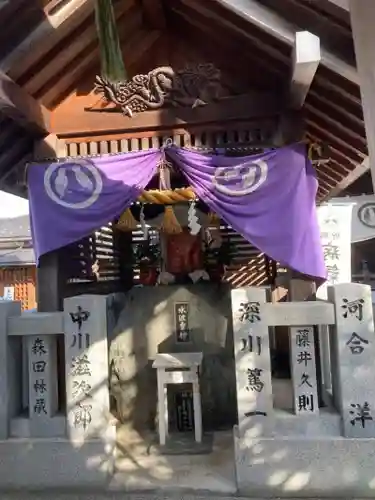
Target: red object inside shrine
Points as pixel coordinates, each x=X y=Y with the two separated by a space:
x=183 y=252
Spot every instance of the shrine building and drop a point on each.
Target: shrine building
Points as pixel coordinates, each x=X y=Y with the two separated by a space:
x=199 y=326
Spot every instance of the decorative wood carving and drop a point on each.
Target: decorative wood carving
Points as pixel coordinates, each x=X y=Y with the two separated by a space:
x=190 y=87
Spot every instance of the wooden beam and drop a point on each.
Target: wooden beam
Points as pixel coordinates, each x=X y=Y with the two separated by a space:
x=356 y=139
x=331 y=138
x=270 y=22
x=13 y=154
x=290 y=128
x=153 y=12
x=77 y=45
x=354 y=175
x=71 y=121
x=53 y=29
x=18 y=105
x=49 y=147
x=306 y=59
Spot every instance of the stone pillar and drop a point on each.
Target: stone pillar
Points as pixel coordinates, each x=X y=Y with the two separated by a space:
x=87 y=369
x=43 y=399
x=303 y=289
x=7 y=364
x=252 y=359
x=353 y=355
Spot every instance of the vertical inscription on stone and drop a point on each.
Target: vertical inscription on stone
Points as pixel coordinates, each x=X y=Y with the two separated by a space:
x=252 y=357
x=86 y=348
x=181 y=314
x=354 y=354
x=42 y=383
x=81 y=369
x=303 y=370
x=38 y=356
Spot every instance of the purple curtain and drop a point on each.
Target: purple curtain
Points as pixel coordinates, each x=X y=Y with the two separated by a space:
x=268 y=198
x=69 y=200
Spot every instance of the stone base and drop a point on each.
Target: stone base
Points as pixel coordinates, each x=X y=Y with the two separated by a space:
x=37 y=464
x=184 y=444
x=140 y=467
x=54 y=463
x=300 y=466
x=292 y=466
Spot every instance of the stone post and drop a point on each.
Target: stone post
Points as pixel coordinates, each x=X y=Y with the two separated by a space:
x=87 y=369
x=304 y=353
x=43 y=399
x=353 y=355
x=252 y=359
x=7 y=365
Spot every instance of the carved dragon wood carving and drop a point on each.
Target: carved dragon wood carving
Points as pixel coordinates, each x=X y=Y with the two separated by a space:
x=163 y=86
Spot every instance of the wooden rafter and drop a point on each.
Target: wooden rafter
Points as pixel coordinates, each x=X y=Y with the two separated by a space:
x=79 y=42
x=52 y=29
x=137 y=42
x=339 y=113
x=70 y=64
x=153 y=12
x=268 y=21
x=209 y=16
x=191 y=28
x=357 y=140
x=354 y=175
x=343 y=164
x=331 y=138
x=17 y=104
x=320 y=14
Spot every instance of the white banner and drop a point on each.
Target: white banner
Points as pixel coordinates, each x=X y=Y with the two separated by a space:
x=363 y=220
x=335 y=231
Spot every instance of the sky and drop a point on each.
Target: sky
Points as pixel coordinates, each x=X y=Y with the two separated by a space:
x=12 y=206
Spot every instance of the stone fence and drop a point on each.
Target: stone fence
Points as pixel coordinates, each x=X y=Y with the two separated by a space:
x=75 y=447
x=311 y=450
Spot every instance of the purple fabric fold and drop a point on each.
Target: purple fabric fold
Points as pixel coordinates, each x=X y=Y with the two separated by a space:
x=268 y=198
x=70 y=200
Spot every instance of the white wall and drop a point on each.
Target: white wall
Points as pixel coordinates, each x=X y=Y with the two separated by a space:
x=12 y=206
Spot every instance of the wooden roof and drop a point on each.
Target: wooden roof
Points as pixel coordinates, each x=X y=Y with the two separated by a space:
x=49 y=50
